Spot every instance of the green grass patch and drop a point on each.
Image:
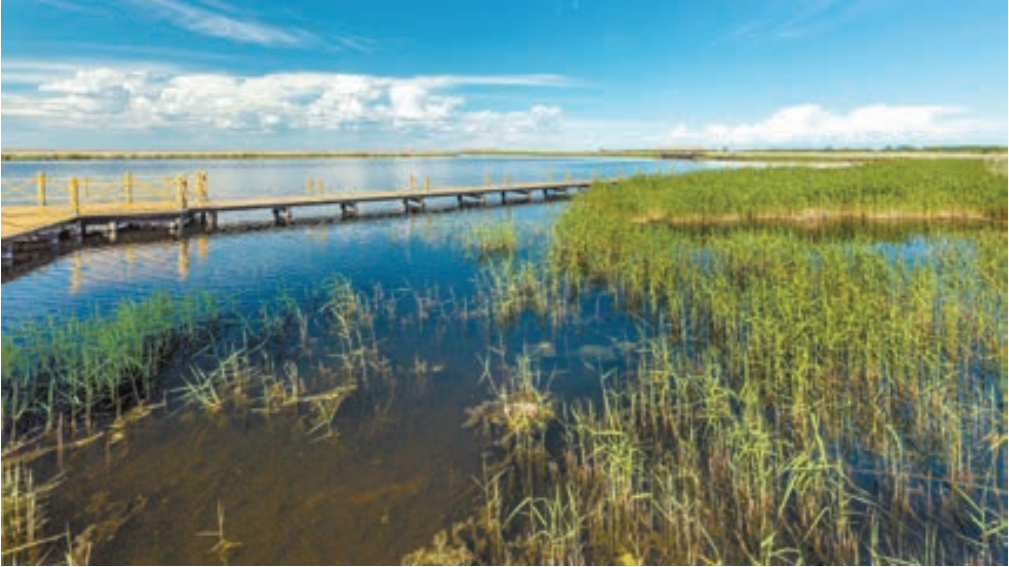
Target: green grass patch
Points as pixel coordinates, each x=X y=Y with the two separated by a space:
x=883 y=191
x=77 y=370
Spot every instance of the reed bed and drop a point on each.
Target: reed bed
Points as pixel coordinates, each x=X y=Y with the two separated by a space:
x=883 y=190
x=76 y=371
x=806 y=397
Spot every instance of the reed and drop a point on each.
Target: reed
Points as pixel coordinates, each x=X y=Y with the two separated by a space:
x=27 y=539
x=805 y=396
x=78 y=370
x=491 y=239
x=882 y=191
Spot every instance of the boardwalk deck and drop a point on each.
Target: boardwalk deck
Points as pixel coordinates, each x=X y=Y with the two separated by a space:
x=22 y=222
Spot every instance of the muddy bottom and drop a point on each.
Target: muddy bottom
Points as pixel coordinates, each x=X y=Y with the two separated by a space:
x=193 y=488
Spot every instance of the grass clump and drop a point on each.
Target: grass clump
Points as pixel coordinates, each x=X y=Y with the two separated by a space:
x=520 y=408
x=25 y=525
x=491 y=239
x=78 y=370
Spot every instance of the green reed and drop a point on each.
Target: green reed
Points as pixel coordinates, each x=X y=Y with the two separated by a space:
x=80 y=369
x=908 y=188
x=491 y=239
x=827 y=396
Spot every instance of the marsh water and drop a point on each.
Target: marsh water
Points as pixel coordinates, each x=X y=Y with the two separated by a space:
x=399 y=466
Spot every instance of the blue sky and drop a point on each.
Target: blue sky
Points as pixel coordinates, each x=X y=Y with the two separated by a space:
x=578 y=74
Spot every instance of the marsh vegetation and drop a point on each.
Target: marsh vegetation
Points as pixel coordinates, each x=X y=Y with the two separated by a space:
x=690 y=371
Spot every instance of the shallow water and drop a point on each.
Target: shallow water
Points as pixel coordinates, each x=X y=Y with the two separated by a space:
x=401 y=467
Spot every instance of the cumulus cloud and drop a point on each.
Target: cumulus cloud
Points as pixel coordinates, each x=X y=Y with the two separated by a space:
x=811 y=124
x=108 y=97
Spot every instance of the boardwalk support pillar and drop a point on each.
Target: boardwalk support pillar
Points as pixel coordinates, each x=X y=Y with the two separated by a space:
x=282 y=215
x=413 y=204
x=40 y=184
x=348 y=209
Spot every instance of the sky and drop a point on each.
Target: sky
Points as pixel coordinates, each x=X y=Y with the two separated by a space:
x=538 y=74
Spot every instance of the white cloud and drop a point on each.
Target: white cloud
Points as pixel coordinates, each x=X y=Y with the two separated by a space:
x=219 y=19
x=128 y=99
x=790 y=19
x=811 y=124
x=206 y=21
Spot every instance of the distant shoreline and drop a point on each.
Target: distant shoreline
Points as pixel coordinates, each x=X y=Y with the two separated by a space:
x=971 y=152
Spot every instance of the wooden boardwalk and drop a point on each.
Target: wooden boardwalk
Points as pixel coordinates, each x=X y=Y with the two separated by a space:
x=26 y=222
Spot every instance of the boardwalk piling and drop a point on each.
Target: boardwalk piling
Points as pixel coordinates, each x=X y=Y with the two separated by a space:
x=181 y=190
x=202 y=191
x=128 y=188
x=75 y=202
x=40 y=183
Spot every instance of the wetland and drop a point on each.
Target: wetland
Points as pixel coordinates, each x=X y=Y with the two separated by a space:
x=743 y=366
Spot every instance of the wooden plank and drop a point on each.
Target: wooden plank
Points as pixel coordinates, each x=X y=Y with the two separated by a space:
x=23 y=220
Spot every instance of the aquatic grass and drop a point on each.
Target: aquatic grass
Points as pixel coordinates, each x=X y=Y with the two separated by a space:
x=491 y=239
x=27 y=539
x=520 y=406
x=78 y=370
x=223 y=546
x=833 y=395
x=884 y=191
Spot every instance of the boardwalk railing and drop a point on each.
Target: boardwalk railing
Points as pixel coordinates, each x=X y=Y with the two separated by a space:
x=76 y=192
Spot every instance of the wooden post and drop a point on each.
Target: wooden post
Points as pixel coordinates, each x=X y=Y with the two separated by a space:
x=40 y=183
x=486 y=178
x=637 y=171
x=507 y=179
x=320 y=187
x=413 y=182
x=620 y=173
x=128 y=188
x=567 y=177
x=550 y=176
x=202 y=191
x=181 y=190
x=427 y=184
x=75 y=201
x=308 y=185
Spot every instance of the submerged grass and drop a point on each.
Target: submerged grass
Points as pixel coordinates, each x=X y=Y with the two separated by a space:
x=27 y=539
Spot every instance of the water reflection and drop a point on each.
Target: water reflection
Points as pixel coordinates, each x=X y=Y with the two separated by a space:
x=232 y=179
x=253 y=263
